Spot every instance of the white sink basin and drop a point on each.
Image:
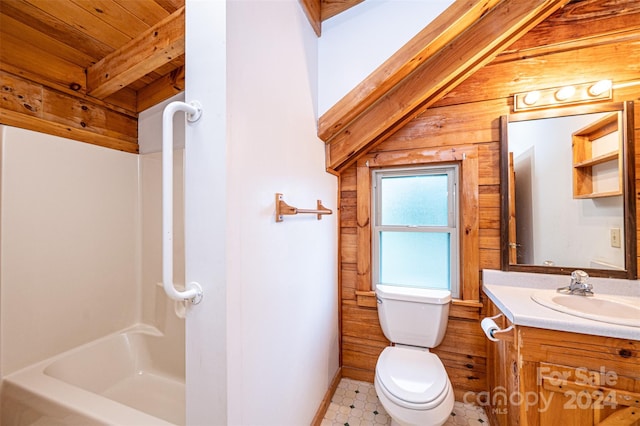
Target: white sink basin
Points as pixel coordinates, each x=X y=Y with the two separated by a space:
x=609 y=309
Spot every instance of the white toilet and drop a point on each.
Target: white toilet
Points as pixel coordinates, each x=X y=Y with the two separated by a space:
x=411 y=382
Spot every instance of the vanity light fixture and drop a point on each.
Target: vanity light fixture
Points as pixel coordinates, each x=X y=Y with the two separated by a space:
x=565 y=95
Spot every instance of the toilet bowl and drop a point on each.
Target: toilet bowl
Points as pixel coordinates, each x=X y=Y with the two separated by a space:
x=413 y=387
x=411 y=382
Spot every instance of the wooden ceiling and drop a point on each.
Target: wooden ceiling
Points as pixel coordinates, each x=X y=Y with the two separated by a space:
x=69 y=44
x=74 y=44
x=84 y=69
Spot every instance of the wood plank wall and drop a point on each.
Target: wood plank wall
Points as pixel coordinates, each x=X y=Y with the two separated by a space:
x=586 y=41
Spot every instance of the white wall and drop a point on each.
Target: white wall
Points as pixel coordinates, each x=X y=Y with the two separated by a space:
x=206 y=212
x=584 y=223
x=282 y=277
x=357 y=41
x=279 y=280
x=150 y=127
x=69 y=245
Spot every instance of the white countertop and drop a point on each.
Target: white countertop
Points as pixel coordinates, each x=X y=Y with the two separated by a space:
x=511 y=293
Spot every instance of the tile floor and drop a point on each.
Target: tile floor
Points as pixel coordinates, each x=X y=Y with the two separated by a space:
x=355 y=403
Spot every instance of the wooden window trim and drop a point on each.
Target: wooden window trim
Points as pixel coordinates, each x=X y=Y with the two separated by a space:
x=467 y=158
x=451 y=228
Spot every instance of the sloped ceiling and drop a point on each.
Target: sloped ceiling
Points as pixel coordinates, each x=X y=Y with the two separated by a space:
x=465 y=37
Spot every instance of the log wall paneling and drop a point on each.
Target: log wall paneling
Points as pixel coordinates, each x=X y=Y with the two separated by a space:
x=587 y=21
x=555 y=67
x=113 y=57
x=31 y=106
x=469 y=116
x=363 y=221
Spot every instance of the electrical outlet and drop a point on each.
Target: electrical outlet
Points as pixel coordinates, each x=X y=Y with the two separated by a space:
x=615 y=237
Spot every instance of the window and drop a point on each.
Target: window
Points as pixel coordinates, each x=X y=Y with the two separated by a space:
x=415 y=228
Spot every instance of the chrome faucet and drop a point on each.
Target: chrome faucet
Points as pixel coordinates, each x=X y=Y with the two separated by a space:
x=579 y=285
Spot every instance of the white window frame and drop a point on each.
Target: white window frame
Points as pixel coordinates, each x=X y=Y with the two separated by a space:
x=452 y=228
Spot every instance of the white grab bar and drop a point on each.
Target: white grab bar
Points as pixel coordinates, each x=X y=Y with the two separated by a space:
x=193 y=112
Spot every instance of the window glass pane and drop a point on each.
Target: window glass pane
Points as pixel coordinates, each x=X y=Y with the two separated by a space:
x=414 y=200
x=416 y=259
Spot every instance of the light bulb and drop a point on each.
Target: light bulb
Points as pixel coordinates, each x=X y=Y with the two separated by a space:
x=565 y=93
x=531 y=98
x=600 y=87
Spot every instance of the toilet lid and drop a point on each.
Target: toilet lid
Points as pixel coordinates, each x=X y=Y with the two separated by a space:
x=411 y=375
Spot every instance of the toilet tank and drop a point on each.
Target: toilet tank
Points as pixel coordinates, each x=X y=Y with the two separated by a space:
x=413 y=316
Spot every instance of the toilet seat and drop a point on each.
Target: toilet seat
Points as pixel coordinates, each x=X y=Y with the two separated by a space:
x=412 y=378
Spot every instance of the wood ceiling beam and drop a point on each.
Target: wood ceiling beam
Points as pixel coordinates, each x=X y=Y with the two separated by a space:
x=468 y=35
x=330 y=8
x=155 y=47
x=318 y=11
x=442 y=30
x=33 y=106
x=312 y=10
x=161 y=89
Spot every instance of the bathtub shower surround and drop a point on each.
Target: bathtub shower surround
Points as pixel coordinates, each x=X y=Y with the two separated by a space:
x=80 y=238
x=68 y=247
x=132 y=377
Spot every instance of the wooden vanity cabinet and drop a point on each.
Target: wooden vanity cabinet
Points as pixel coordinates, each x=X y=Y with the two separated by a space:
x=540 y=377
x=503 y=374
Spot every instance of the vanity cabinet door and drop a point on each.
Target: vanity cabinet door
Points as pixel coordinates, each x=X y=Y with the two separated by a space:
x=581 y=397
x=577 y=379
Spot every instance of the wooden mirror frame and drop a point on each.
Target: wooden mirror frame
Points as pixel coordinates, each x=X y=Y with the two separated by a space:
x=629 y=200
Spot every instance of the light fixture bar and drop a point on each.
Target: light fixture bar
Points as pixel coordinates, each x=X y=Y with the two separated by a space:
x=564 y=95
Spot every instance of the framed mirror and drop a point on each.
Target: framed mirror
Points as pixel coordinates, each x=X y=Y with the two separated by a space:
x=568 y=191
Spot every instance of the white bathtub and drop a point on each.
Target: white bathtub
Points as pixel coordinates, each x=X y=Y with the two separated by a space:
x=134 y=377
